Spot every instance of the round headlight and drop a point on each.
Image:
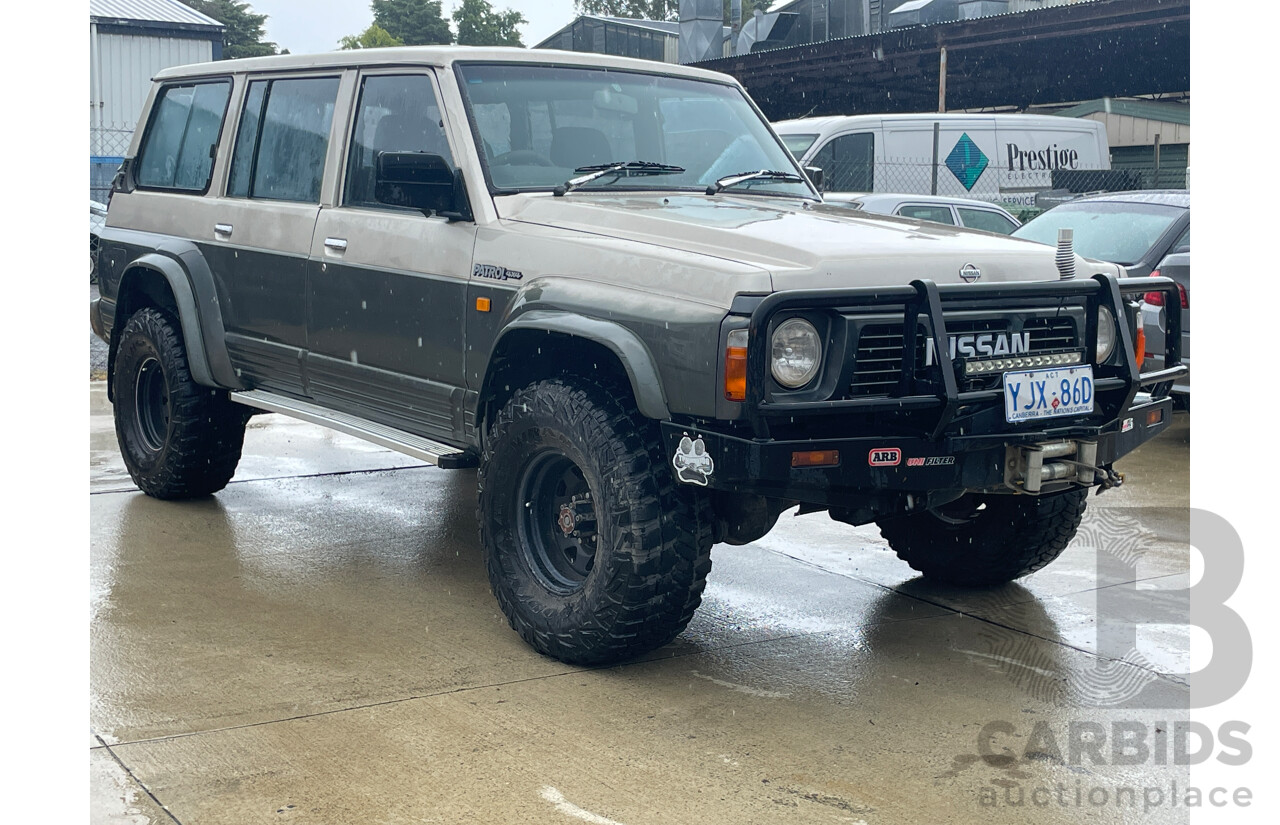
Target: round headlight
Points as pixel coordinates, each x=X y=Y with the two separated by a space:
x=1106 y=334
x=797 y=353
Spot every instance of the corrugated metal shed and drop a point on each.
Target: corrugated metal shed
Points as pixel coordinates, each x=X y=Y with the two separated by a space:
x=149 y=11
x=129 y=42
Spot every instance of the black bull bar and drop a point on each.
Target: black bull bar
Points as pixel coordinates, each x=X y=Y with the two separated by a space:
x=1115 y=385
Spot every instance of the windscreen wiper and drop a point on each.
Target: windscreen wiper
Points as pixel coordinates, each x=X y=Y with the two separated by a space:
x=630 y=168
x=742 y=177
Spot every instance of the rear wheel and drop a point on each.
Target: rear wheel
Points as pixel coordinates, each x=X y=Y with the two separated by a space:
x=593 y=552
x=178 y=439
x=982 y=541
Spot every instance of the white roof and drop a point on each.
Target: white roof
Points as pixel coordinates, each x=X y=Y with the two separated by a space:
x=152 y=11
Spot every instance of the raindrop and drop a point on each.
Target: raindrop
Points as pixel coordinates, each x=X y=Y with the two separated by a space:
x=364 y=305
x=354 y=359
x=419 y=341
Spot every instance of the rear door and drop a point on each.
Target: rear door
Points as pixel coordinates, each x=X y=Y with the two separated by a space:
x=386 y=289
x=259 y=234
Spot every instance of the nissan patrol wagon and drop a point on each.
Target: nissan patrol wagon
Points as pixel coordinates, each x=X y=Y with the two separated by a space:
x=607 y=285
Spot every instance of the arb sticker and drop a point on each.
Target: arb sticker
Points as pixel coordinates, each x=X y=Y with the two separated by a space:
x=692 y=462
x=885 y=457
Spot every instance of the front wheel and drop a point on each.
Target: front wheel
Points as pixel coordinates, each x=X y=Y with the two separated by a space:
x=983 y=541
x=593 y=552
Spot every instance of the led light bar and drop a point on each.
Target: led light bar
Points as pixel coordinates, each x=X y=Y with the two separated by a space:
x=1055 y=359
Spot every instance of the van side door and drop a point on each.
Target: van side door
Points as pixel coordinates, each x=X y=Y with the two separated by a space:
x=260 y=233
x=386 y=287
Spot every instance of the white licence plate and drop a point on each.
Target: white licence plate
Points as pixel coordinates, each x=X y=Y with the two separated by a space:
x=1048 y=393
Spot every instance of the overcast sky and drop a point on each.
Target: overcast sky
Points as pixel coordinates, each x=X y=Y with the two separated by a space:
x=303 y=26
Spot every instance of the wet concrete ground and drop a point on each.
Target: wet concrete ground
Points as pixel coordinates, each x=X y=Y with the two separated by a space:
x=318 y=644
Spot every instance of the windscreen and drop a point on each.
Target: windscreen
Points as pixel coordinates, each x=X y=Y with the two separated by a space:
x=1106 y=231
x=798 y=144
x=537 y=126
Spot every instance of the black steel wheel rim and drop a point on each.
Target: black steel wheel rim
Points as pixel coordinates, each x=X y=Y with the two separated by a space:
x=556 y=522
x=151 y=404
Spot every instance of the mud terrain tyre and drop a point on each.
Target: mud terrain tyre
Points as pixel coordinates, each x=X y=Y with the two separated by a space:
x=179 y=439
x=987 y=541
x=594 y=553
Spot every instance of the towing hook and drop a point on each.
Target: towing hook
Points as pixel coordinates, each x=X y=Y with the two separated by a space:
x=1110 y=480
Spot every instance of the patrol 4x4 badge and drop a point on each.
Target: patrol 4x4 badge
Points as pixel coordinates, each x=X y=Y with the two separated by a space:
x=693 y=464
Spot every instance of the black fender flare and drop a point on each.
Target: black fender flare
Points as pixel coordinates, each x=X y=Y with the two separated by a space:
x=631 y=351
x=191 y=283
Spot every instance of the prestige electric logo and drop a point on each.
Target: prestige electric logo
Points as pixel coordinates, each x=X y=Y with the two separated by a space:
x=1044 y=160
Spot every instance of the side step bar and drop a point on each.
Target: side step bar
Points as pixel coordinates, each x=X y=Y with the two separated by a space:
x=432 y=452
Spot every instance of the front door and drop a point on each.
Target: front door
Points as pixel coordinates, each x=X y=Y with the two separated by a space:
x=386 y=286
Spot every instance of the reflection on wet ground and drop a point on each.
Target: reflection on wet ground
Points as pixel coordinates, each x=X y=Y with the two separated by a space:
x=318 y=643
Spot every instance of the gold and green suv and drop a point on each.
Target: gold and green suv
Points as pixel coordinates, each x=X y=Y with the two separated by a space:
x=607 y=285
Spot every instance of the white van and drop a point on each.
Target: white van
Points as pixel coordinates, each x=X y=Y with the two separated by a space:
x=1004 y=159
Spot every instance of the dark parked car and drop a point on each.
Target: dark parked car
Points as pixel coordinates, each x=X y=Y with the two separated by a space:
x=97 y=220
x=1134 y=229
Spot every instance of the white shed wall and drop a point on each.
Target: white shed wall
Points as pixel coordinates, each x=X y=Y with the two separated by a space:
x=120 y=72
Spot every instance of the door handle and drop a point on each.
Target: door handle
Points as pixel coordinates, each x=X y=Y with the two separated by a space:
x=223 y=229
x=336 y=244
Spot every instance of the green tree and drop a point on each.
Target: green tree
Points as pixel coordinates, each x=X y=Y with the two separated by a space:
x=657 y=9
x=479 y=25
x=374 y=37
x=244 y=33
x=413 y=22
x=646 y=9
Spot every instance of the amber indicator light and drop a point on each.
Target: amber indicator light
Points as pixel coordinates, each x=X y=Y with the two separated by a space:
x=735 y=373
x=816 y=458
x=1155 y=417
x=482 y=304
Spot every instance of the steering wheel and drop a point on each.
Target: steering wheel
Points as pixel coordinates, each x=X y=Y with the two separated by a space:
x=521 y=157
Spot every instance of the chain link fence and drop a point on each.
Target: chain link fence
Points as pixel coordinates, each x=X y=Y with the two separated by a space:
x=107 y=148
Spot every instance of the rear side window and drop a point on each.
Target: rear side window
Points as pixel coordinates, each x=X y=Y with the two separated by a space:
x=937 y=214
x=177 y=151
x=283 y=139
x=986 y=220
x=397 y=114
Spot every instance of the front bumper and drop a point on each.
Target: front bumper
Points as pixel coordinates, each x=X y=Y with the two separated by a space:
x=929 y=436
x=880 y=464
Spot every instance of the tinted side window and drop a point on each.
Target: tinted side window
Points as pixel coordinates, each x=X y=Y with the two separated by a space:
x=177 y=152
x=246 y=139
x=937 y=214
x=848 y=163
x=986 y=220
x=281 y=150
x=396 y=114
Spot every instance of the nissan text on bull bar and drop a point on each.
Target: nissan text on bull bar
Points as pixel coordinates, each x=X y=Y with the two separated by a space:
x=605 y=285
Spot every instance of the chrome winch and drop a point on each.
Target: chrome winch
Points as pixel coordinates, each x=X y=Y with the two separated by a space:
x=1028 y=468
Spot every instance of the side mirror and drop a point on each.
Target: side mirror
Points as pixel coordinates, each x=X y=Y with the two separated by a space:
x=815 y=176
x=419 y=180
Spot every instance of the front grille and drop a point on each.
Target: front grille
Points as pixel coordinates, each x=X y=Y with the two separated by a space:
x=878 y=358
